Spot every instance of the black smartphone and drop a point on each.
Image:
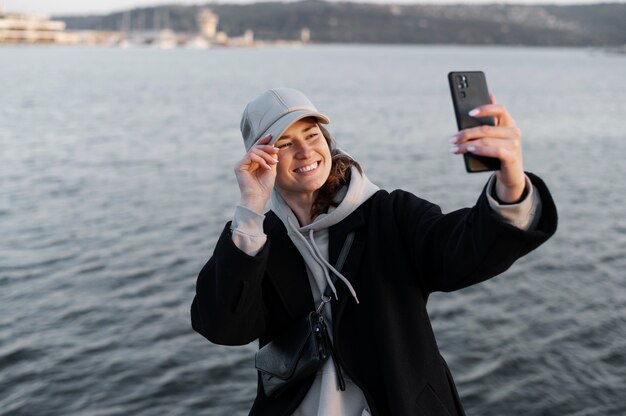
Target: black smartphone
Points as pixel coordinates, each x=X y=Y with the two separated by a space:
x=469 y=90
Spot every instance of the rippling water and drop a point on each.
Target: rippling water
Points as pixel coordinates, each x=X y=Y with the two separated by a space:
x=116 y=179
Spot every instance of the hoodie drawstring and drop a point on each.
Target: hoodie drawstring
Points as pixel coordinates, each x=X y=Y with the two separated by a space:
x=314 y=250
x=335 y=271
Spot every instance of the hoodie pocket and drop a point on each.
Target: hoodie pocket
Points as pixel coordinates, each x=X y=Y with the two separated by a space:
x=429 y=404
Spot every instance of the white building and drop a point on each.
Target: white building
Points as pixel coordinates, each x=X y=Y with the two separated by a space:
x=207 y=22
x=23 y=28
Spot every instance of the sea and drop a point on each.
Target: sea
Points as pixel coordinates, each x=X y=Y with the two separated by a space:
x=116 y=178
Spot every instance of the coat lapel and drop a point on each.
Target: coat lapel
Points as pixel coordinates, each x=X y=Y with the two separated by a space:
x=337 y=237
x=286 y=269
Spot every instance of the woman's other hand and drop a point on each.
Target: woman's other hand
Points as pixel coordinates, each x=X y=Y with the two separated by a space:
x=256 y=174
x=502 y=141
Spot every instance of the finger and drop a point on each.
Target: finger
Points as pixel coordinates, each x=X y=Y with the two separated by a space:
x=492 y=98
x=497 y=152
x=267 y=148
x=506 y=155
x=251 y=163
x=510 y=145
x=488 y=110
x=480 y=132
x=498 y=111
x=271 y=159
x=256 y=161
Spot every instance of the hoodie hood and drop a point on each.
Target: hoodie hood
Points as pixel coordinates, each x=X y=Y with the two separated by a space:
x=312 y=240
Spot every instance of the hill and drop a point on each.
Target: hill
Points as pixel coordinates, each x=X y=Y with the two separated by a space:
x=346 y=22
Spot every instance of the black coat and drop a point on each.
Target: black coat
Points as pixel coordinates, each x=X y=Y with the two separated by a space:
x=404 y=249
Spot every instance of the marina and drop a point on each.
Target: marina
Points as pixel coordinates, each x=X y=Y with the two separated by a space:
x=21 y=28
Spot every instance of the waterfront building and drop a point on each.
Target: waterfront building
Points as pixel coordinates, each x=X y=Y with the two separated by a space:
x=26 y=28
x=207 y=23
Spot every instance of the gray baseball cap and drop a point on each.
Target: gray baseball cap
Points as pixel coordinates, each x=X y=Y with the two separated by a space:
x=273 y=112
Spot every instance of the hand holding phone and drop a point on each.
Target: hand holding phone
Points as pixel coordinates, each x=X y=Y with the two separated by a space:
x=469 y=90
x=492 y=135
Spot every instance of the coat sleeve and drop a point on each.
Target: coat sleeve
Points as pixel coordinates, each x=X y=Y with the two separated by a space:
x=467 y=246
x=228 y=308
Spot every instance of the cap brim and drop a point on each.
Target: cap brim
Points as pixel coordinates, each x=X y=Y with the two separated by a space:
x=278 y=128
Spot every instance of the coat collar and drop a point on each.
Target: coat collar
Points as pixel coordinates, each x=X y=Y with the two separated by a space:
x=287 y=271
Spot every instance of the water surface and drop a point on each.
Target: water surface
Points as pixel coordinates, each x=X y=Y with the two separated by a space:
x=116 y=179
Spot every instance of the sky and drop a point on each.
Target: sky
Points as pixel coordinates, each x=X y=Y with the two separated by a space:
x=59 y=7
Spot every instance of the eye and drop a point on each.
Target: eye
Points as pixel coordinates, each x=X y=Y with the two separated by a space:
x=312 y=135
x=283 y=145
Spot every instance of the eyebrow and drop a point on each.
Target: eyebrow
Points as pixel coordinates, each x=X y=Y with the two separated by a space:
x=304 y=130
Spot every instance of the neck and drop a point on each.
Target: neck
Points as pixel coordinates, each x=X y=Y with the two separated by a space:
x=300 y=204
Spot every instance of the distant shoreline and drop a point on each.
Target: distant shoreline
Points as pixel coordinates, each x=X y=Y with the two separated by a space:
x=590 y=25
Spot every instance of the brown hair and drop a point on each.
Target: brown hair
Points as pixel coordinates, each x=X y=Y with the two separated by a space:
x=340 y=174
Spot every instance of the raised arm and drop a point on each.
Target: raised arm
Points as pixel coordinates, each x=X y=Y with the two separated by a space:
x=228 y=307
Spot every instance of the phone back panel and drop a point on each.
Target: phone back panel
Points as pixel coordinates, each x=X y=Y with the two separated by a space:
x=469 y=90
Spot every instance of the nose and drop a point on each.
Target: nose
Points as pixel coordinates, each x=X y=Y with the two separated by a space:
x=303 y=150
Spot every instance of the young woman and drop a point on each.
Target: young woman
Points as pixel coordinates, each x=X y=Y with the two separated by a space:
x=270 y=270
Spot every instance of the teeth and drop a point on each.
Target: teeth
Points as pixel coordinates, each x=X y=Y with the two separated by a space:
x=307 y=168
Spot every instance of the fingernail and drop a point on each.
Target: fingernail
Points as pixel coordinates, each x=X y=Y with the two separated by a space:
x=275 y=160
x=471 y=148
x=453 y=139
x=474 y=112
x=454 y=149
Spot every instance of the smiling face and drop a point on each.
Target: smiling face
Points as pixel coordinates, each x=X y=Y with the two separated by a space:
x=304 y=160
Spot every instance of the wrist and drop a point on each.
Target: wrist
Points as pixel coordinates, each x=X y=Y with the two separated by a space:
x=254 y=204
x=509 y=194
